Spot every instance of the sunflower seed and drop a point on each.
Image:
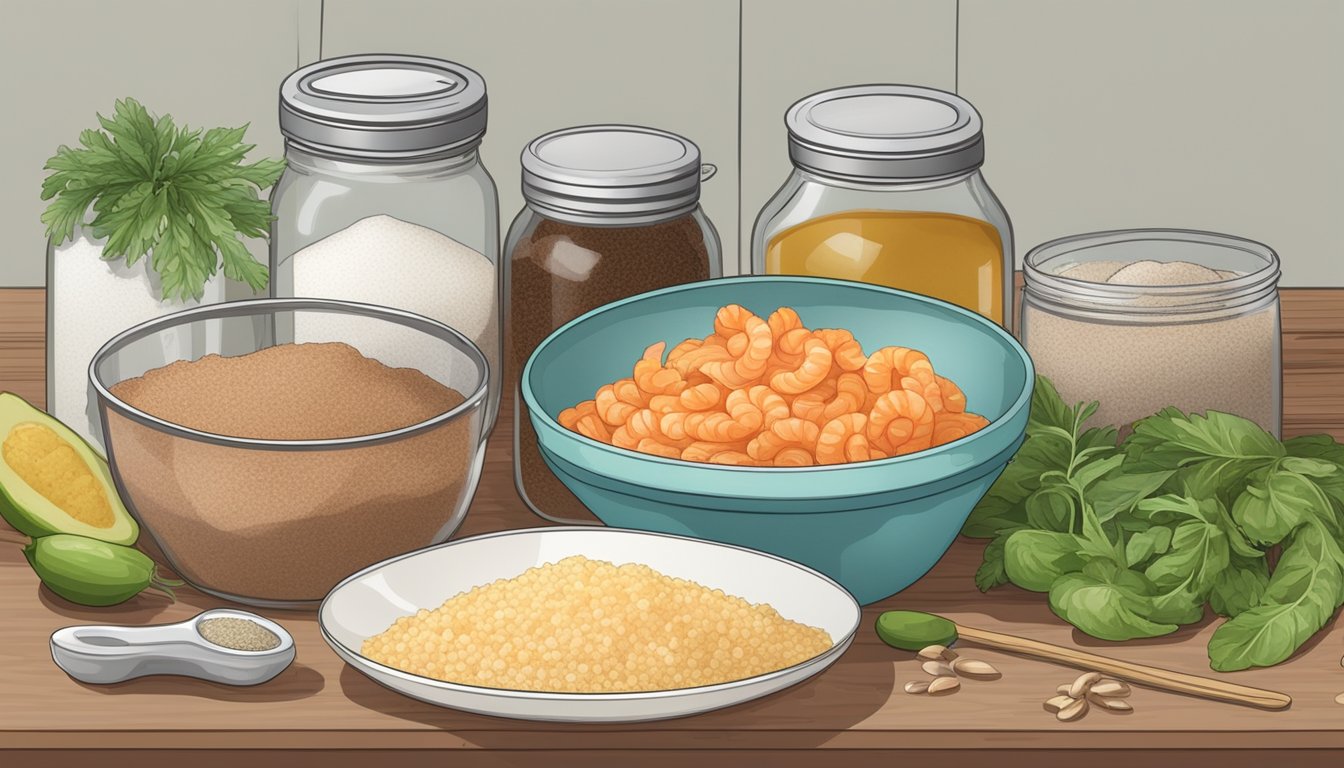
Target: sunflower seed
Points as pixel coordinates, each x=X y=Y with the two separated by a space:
x=1111 y=689
x=1057 y=703
x=937 y=653
x=943 y=685
x=1114 y=705
x=917 y=686
x=975 y=669
x=1073 y=710
x=937 y=669
x=1084 y=682
x=1064 y=689
x=1339 y=699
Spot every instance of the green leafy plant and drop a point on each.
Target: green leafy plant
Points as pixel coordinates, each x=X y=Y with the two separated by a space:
x=182 y=196
x=1134 y=538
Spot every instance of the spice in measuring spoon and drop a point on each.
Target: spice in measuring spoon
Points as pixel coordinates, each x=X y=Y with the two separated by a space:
x=238 y=634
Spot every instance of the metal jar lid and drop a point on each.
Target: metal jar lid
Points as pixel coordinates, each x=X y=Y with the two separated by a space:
x=384 y=106
x=885 y=132
x=595 y=173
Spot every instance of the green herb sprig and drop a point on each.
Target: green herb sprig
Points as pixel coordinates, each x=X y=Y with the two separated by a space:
x=1132 y=539
x=182 y=196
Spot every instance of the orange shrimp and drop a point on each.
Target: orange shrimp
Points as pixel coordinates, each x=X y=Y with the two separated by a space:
x=857 y=448
x=570 y=416
x=658 y=448
x=683 y=348
x=611 y=408
x=847 y=352
x=653 y=378
x=702 y=450
x=954 y=426
x=835 y=397
x=900 y=368
x=812 y=371
x=691 y=361
x=833 y=439
x=901 y=421
x=794 y=457
x=747 y=367
x=785 y=434
x=783 y=320
x=771 y=404
x=735 y=458
x=661 y=404
x=741 y=420
x=951 y=399
x=732 y=320
x=701 y=397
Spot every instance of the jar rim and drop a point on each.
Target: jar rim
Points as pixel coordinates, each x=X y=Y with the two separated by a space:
x=1071 y=293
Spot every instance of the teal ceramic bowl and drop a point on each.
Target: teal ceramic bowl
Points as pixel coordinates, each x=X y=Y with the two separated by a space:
x=875 y=527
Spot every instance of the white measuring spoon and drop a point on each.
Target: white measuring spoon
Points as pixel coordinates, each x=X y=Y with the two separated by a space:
x=110 y=654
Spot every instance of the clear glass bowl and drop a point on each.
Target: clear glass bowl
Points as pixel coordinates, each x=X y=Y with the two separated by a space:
x=279 y=522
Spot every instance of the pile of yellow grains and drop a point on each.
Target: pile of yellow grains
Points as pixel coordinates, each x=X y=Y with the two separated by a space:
x=589 y=626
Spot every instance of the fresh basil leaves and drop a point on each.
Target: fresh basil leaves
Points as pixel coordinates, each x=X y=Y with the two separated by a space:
x=1134 y=538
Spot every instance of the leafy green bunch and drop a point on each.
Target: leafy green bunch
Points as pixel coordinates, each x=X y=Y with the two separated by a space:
x=1133 y=538
x=182 y=196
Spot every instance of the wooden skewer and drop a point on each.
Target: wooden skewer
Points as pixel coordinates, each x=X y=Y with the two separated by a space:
x=1153 y=677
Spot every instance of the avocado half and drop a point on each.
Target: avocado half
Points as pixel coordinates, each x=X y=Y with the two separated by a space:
x=33 y=514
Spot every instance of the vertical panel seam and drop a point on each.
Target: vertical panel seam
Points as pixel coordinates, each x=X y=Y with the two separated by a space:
x=322 y=25
x=743 y=259
x=956 y=48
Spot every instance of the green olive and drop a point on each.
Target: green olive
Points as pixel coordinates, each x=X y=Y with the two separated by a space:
x=914 y=630
x=91 y=572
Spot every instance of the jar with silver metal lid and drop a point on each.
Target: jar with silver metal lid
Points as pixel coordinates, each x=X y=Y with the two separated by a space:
x=886 y=188
x=1144 y=319
x=610 y=211
x=385 y=200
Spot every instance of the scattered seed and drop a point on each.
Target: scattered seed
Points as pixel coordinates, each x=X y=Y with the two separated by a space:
x=975 y=669
x=917 y=686
x=1064 y=689
x=1073 y=710
x=1339 y=699
x=937 y=653
x=1083 y=683
x=943 y=685
x=1111 y=689
x=1114 y=705
x=1057 y=703
x=937 y=669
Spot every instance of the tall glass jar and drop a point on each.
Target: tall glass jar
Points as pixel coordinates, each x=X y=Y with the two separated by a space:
x=611 y=211
x=385 y=201
x=1141 y=320
x=886 y=188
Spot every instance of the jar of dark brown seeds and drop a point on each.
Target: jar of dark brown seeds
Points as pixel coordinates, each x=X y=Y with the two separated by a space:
x=611 y=211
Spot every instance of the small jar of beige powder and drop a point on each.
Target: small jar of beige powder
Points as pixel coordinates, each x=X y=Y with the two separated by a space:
x=1143 y=319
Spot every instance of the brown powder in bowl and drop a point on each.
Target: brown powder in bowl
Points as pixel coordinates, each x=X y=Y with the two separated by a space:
x=289 y=392
x=278 y=525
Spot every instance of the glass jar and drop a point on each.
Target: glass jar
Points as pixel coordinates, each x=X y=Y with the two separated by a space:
x=78 y=277
x=610 y=211
x=1140 y=320
x=384 y=200
x=886 y=189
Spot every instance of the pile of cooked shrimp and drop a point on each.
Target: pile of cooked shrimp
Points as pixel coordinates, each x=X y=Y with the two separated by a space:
x=772 y=393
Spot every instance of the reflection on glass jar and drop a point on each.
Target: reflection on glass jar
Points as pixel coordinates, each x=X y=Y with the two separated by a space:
x=1140 y=320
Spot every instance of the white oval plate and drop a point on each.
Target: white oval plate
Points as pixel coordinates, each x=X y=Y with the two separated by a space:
x=367 y=603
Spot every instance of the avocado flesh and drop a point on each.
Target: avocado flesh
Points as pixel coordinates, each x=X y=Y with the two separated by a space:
x=29 y=511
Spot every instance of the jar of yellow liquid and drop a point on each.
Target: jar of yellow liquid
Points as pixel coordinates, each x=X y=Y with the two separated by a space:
x=886 y=188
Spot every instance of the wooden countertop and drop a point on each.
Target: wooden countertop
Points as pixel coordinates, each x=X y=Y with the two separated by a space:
x=855 y=713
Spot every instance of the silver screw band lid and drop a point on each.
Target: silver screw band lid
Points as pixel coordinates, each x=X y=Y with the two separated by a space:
x=594 y=173
x=885 y=132
x=384 y=106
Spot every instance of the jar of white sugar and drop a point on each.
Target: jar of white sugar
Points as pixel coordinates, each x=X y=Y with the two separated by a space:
x=385 y=201
x=1140 y=320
